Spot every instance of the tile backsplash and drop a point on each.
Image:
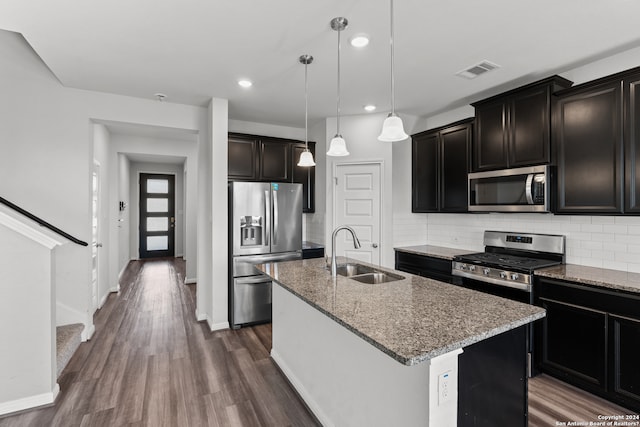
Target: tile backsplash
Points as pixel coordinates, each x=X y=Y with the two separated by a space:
x=599 y=241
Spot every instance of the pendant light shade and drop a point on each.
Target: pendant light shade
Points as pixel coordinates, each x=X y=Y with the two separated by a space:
x=306 y=158
x=338 y=146
x=392 y=128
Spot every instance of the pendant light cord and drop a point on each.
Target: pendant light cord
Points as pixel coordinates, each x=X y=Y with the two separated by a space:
x=393 y=97
x=338 y=97
x=306 y=108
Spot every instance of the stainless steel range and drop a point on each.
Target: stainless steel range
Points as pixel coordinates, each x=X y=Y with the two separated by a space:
x=510 y=259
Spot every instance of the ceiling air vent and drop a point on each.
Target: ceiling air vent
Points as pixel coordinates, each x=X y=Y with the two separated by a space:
x=477 y=69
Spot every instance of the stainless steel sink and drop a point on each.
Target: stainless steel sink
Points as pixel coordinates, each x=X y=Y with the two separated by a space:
x=366 y=274
x=349 y=270
x=377 y=277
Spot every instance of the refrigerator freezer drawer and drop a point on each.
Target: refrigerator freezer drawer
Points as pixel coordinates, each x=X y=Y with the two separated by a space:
x=251 y=300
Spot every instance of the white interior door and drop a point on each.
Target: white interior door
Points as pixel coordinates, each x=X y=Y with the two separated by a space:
x=357 y=204
x=95 y=233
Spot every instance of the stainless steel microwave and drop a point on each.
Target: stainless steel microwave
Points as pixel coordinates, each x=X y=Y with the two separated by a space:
x=511 y=190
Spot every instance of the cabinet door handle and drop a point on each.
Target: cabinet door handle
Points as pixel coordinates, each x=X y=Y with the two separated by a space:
x=374 y=245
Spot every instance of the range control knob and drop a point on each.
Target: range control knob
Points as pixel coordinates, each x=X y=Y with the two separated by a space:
x=514 y=276
x=503 y=274
x=472 y=268
x=463 y=266
x=486 y=271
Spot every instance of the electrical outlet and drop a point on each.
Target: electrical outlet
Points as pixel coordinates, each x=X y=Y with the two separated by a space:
x=444 y=387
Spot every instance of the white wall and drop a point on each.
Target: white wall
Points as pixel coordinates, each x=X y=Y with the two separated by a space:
x=134 y=213
x=217 y=312
x=47 y=153
x=264 y=129
x=361 y=136
x=124 y=220
x=600 y=241
x=27 y=313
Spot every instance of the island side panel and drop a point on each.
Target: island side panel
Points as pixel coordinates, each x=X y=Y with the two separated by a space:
x=345 y=380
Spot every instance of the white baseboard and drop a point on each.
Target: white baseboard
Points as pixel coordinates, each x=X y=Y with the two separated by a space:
x=217 y=326
x=190 y=280
x=301 y=390
x=29 y=402
x=103 y=301
x=200 y=317
x=87 y=332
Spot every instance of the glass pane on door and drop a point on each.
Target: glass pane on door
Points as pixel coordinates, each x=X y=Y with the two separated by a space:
x=158 y=223
x=157 y=205
x=157 y=243
x=159 y=186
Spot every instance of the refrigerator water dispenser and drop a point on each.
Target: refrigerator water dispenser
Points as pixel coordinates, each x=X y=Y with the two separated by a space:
x=251 y=230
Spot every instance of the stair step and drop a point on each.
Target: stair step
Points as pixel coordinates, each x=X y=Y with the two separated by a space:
x=68 y=339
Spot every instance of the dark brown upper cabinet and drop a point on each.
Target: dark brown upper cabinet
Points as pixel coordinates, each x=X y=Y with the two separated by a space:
x=597 y=138
x=439 y=165
x=243 y=157
x=588 y=138
x=513 y=129
x=260 y=158
x=631 y=95
x=275 y=160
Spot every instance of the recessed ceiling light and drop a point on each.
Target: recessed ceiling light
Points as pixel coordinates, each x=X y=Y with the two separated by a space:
x=245 y=83
x=370 y=107
x=359 y=40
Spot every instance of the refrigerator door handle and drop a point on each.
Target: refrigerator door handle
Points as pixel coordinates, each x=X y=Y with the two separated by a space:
x=275 y=217
x=267 y=211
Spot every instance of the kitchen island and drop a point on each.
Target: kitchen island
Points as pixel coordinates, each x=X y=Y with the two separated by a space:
x=383 y=354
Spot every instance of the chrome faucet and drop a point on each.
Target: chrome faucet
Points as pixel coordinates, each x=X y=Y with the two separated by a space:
x=356 y=244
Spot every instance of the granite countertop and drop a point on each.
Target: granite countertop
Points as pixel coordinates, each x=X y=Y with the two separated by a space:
x=593 y=276
x=435 y=251
x=411 y=320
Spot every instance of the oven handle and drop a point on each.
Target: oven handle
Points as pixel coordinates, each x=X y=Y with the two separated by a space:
x=520 y=286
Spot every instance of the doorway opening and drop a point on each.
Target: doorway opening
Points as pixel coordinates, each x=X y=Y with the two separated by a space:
x=157 y=215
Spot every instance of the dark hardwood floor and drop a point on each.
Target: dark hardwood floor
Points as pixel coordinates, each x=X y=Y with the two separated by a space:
x=151 y=364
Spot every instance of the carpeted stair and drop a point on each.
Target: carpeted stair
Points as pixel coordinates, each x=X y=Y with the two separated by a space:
x=67 y=342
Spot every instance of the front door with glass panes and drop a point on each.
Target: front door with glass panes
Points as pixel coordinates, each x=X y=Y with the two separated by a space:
x=157 y=215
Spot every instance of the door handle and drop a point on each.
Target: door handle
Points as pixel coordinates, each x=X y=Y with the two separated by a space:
x=98 y=245
x=275 y=217
x=374 y=245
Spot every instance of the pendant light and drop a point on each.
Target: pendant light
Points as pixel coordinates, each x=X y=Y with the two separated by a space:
x=392 y=128
x=338 y=146
x=306 y=158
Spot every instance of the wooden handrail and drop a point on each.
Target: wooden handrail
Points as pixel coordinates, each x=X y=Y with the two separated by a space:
x=42 y=222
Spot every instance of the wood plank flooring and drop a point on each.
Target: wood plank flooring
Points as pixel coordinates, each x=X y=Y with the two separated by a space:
x=552 y=402
x=151 y=364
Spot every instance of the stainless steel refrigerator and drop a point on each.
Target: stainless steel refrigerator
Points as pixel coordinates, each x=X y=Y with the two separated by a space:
x=265 y=225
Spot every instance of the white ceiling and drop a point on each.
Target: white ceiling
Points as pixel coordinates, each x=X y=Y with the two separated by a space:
x=192 y=50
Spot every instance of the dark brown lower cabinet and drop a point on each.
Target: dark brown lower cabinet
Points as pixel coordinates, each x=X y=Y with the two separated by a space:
x=626 y=354
x=492 y=381
x=423 y=265
x=575 y=342
x=590 y=338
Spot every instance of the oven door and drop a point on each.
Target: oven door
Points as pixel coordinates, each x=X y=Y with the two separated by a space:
x=510 y=190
